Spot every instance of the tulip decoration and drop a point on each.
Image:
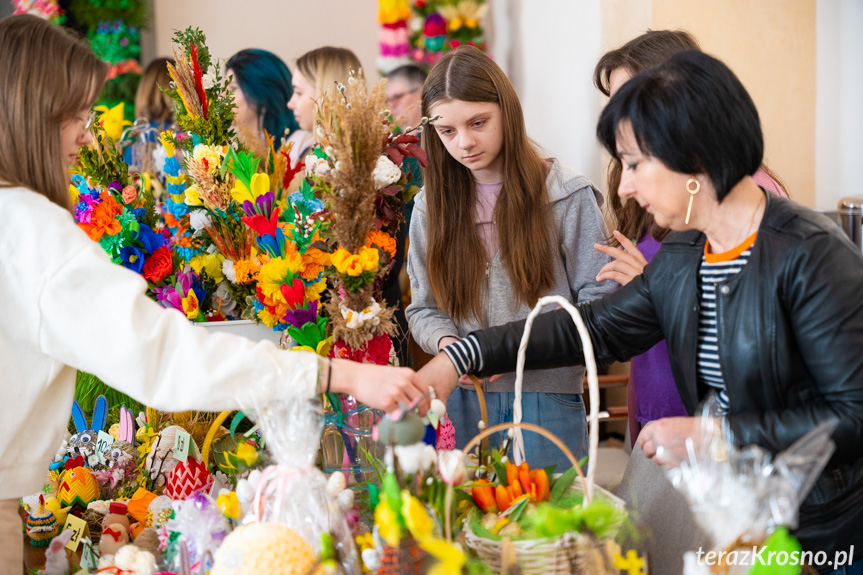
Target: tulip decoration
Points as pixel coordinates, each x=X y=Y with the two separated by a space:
x=483 y=493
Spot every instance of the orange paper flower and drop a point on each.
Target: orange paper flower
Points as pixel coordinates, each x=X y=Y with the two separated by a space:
x=383 y=240
x=483 y=495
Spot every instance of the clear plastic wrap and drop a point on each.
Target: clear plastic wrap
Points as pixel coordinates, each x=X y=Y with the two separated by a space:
x=293 y=492
x=742 y=494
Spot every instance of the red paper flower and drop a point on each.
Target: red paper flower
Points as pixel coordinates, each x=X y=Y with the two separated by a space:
x=159 y=265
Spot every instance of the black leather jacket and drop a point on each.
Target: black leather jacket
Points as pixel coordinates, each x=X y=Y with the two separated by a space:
x=790 y=330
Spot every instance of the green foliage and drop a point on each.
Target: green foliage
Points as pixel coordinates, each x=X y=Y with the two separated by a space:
x=88 y=387
x=103 y=163
x=89 y=13
x=217 y=127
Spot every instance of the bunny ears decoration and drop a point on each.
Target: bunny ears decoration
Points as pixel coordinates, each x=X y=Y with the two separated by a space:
x=100 y=416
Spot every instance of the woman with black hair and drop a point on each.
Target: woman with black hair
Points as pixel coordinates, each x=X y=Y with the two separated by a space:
x=262 y=90
x=758 y=298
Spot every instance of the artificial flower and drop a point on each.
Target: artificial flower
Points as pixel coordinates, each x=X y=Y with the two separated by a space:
x=200 y=219
x=369 y=258
x=246 y=272
x=112 y=120
x=260 y=184
x=387 y=521
x=150 y=239
x=207 y=157
x=190 y=305
x=129 y=195
x=229 y=504
x=534 y=483
x=313 y=291
x=386 y=173
x=228 y=271
x=451 y=466
x=300 y=316
x=316 y=166
x=294 y=293
x=158 y=265
x=450 y=557
x=132 y=258
x=416 y=517
x=193 y=196
x=483 y=495
x=313 y=263
x=375 y=351
x=383 y=240
x=357 y=319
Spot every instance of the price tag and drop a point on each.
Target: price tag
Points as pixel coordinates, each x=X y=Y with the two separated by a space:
x=103 y=444
x=181 y=445
x=77 y=526
x=88 y=559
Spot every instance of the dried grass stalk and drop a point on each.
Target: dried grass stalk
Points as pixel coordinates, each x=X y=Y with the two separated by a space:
x=353 y=124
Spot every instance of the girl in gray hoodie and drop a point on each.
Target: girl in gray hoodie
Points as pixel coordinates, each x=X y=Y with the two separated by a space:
x=496 y=227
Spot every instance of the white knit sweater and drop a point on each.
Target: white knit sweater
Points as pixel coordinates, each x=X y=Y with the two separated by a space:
x=66 y=306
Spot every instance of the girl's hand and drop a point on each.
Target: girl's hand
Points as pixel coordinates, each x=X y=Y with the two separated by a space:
x=628 y=262
x=439 y=373
x=664 y=440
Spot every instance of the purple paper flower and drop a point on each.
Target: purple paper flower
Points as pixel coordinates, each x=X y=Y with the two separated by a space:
x=168 y=297
x=300 y=316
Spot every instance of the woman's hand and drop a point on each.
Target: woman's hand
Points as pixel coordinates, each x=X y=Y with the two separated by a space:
x=664 y=440
x=627 y=262
x=379 y=386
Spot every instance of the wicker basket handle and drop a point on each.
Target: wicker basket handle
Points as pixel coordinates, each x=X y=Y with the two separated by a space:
x=592 y=382
x=516 y=427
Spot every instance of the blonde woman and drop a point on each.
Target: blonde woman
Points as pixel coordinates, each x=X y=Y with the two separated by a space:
x=67 y=307
x=315 y=73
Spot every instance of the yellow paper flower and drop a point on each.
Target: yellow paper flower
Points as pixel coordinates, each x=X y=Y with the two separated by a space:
x=73 y=191
x=229 y=504
x=193 y=196
x=632 y=564
x=416 y=517
x=450 y=557
x=314 y=291
x=112 y=120
x=260 y=186
x=213 y=266
x=369 y=258
x=190 y=305
x=166 y=138
x=273 y=275
x=388 y=524
x=267 y=318
x=246 y=272
x=207 y=157
x=366 y=541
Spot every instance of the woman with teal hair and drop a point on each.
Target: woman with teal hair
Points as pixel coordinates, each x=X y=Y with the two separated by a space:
x=262 y=88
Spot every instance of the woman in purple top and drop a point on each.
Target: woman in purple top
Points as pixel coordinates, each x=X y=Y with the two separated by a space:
x=652 y=393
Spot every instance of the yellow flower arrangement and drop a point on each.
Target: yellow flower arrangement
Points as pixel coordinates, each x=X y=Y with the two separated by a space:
x=346 y=263
x=210 y=263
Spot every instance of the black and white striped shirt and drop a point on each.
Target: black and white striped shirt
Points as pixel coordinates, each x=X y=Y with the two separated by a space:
x=715 y=270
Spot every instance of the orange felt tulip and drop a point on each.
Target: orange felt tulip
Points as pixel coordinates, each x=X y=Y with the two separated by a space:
x=524 y=476
x=511 y=474
x=483 y=495
x=506 y=496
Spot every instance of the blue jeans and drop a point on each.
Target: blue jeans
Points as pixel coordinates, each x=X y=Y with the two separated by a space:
x=562 y=414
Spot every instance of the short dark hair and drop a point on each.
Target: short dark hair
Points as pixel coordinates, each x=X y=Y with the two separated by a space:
x=694 y=115
x=410 y=74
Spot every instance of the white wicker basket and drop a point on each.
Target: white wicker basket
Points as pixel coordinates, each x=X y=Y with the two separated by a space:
x=566 y=554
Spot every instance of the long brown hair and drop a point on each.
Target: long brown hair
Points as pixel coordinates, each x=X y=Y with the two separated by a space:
x=150 y=101
x=455 y=260
x=47 y=77
x=646 y=51
x=325 y=66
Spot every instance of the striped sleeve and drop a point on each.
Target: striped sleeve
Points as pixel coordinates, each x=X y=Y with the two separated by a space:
x=465 y=355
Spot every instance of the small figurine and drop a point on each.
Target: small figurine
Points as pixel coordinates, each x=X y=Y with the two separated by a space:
x=41 y=524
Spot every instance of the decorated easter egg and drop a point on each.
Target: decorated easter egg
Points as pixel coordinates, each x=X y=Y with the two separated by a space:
x=264 y=548
x=186 y=478
x=78 y=488
x=114 y=536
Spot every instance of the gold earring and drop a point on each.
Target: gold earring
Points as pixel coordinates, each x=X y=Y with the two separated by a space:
x=692 y=191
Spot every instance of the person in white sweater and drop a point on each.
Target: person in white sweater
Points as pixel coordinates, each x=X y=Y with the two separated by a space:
x=67 y=307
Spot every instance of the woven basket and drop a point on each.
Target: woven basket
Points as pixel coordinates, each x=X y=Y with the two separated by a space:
x=568 y=553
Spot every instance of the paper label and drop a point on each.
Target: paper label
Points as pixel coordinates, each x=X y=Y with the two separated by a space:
x=181 y=445
x=77 y=526
x=103 y=444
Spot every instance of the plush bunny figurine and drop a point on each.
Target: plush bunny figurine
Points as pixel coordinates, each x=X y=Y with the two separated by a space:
x=84 y=441
x=123 y=452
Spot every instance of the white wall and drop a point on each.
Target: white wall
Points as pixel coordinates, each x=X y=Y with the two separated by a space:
x=555 y=45
x=288 y=28
x=839 y=94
